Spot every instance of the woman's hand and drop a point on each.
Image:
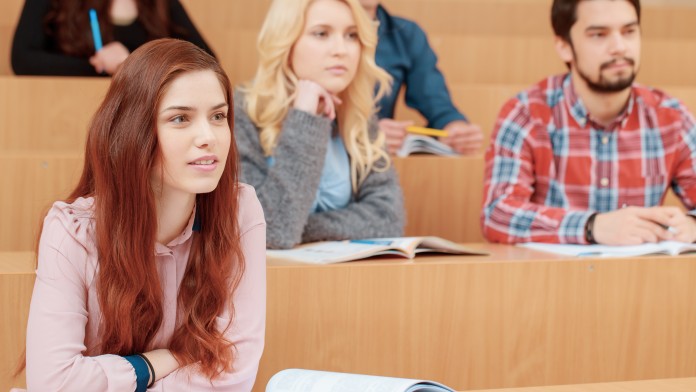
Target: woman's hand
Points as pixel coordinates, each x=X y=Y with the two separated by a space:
x=109 y=58
x=312 y=98
x=162 y=361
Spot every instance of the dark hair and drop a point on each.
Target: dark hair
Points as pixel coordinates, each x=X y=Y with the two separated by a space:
x=564 y=15
x=121 y=151
x=68 y=23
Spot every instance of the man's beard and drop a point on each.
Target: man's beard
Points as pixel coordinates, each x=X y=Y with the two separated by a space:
x=607 y=86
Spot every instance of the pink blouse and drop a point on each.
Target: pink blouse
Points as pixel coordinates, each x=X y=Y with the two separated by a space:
x=64 y=314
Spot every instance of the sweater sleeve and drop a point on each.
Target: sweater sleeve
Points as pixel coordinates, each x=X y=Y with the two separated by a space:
x=188 y=32
x=377 y=210
x=32 y=52
x=288 y=186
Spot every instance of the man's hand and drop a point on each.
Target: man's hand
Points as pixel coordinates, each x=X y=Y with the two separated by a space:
x=638 y=225
x=463 y=137
x=682 y=225
x=395 y=132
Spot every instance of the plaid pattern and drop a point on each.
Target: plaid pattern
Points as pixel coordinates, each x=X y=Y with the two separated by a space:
x=549 y=166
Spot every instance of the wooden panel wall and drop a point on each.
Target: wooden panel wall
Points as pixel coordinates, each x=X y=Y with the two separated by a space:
x=502 y=41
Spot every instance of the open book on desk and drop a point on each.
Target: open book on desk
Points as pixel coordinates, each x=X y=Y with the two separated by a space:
x=300 y=380
x=329 y=252
x=671 y=248
x=419 y=144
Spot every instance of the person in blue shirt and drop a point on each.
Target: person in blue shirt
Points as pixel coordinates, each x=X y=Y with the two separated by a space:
x=404 y=52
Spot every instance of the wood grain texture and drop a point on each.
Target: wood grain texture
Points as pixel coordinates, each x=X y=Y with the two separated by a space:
x=16 y=284
x=664 y=385
x=30 y=185
x=47 y=113
x=486 y=322
x=516 y=318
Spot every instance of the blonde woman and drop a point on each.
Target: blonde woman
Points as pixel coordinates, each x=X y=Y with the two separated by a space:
x=306 y=130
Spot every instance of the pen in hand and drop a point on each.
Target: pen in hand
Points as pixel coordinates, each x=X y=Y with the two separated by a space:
x=670 y=229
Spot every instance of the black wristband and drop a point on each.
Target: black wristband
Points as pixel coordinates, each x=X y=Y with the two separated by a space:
x=152 y=369
x=589 y=229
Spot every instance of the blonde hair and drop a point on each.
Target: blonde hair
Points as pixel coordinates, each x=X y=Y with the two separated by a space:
x=271 y=93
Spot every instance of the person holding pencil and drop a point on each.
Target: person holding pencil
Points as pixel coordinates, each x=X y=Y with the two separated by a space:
x=306 y=129
x=93 y=37
x=403 y=51
x=569 y=152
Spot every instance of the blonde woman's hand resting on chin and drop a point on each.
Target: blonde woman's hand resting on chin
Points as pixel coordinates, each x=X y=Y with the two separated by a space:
x=313 y=98
x=638 y=225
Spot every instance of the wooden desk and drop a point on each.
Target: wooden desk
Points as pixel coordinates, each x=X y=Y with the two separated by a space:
x=665 y=385
x=47 y=113
x=30 y=184
x=515 y=318
x=442 y=195
x=16 y=284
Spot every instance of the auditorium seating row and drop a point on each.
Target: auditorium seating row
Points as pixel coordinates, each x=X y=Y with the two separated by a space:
x=44 y=130
x=478 y=41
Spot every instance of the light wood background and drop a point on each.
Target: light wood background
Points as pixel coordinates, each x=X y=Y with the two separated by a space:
x=515 y=318
x=665 y=385
x=480 y=41
x=42 y=144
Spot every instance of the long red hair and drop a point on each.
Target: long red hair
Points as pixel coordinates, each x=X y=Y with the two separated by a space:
x=120 y=154
x=68 y=22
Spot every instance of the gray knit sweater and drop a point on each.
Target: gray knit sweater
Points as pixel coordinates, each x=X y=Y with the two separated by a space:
x=287 y=189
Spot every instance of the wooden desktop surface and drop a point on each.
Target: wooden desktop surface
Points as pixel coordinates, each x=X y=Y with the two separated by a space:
x=665 y=385
x=515 y=318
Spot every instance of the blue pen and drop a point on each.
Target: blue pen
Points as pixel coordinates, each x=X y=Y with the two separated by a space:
x=96 y=33
x=372 y=242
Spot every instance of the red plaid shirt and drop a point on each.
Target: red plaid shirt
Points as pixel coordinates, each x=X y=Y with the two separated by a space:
x=549 y=166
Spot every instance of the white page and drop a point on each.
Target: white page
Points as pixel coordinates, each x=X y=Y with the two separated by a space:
x=671 y=247
x=326 y=252
x=300 y=380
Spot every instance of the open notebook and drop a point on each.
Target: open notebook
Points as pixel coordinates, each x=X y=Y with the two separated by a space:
x=301 y=380
x=329 y=252
x=419 y=144
x=661 y=248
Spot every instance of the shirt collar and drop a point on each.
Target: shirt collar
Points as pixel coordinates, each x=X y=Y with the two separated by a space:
x=386 y=24
x=192 y=225
x=579 y=112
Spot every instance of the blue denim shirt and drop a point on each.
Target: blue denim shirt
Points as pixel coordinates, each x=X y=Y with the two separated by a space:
x=404 y=52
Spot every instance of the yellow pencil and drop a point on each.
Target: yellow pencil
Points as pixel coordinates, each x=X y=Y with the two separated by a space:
x=426 y=131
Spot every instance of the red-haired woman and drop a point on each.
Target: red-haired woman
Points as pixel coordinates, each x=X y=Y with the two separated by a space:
x=54 y=37
x=153 y=271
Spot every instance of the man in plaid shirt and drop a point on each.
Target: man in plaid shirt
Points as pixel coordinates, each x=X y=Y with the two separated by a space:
x=587 y=157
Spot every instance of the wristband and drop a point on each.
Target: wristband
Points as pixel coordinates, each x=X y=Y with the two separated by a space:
x=152 y=369
x=142 y=374
x=589 y=229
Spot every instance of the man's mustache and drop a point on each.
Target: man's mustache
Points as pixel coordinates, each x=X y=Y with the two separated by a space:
x=608 y=64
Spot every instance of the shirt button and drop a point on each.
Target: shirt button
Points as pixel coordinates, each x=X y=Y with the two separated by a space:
x=604 y=181
x=605 y=140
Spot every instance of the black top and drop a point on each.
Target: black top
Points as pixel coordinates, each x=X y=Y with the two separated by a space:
x=36 y=53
